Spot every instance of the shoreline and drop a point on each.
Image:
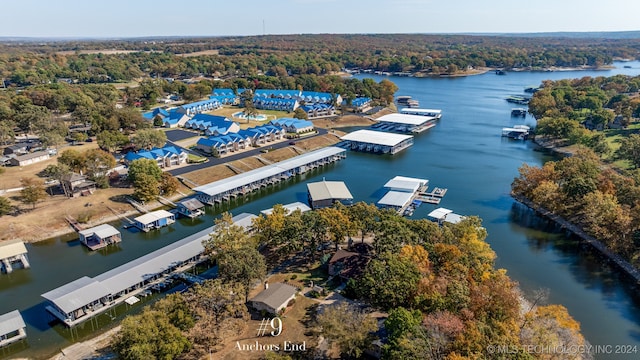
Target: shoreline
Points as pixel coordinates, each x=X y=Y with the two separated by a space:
x=595 y=244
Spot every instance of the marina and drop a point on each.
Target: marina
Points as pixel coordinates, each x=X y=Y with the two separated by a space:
x=406 y=194
x=250 y=181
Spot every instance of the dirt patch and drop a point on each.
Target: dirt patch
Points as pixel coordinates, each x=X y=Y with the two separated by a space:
x=342 y=121
x=200 y=53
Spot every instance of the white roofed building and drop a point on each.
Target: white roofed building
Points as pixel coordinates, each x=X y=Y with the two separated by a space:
x=326 y=193
x=442 y=215
x=378 y=141
x=100 y=236
x=289 y=208
x=154 y=220
x=11 y=252
x=12 y=328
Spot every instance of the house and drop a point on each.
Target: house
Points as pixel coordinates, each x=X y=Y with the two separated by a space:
x=347 y=265
x=200 y=106
x=17 y=149
x=224 y=96
x=154 y=220
x=191 y=208
x=100 y=236
x=150 y=115
x=74 y=185
x=313 y=97
x=212 y=124
x=361 y=104
x=175 y=119
x=326 y=193
x=165 y=157
x=220 y=145
x=12 y=328
x=295 y=126
x=29 y=158
x=274 y=298
x=315 y=111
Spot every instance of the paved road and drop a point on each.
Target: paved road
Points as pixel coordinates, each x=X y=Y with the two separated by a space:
x=217 y=161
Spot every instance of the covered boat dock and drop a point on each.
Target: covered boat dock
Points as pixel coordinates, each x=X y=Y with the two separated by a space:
x=378 y=141
x=100 y=236
x=154 y=220
x=406 y=122
x=11 y=252
x=252 y=180
x=12 y=328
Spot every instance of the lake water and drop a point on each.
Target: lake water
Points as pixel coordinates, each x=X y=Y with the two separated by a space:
x=464 y=153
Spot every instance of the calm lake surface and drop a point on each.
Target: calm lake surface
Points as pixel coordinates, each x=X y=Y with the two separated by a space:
x=464 y=153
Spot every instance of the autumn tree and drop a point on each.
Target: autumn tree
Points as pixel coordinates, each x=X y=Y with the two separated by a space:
x=97 y=164
x=149 y=335
x=146 y=187
x=338 y=223
x=168 y=184
x=226 y=237
x=144 y=166
x=32 y=191
x=74 y=159
x=243 y=265
x=630 y=149
x=389 y=281
x=350 y=328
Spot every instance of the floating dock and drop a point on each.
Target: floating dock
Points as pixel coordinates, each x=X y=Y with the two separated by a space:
x=434 y=113
x=517 y=132
x=403 y=194
x=100 y=236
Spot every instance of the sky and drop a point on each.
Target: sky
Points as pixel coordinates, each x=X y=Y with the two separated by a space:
x=142 y=18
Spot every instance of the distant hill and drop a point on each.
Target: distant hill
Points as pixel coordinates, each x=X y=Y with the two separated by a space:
x=573 y=35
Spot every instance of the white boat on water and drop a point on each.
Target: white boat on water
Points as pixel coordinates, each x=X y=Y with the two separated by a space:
x=519 y=132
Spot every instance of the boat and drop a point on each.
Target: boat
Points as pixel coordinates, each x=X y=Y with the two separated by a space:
x=407 y=101
x=501 y=72
x=519 y=112
x=434 y=113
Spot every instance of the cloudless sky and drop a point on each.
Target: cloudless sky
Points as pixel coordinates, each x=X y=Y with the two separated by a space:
x=135 y=18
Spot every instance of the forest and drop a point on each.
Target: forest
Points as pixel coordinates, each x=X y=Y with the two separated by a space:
x=29 y=63
x=598 y=188
x=443 y=297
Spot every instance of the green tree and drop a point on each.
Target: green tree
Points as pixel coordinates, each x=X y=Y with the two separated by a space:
x=97 y=164
x=299 y=114
x=111 y=140
x=226 y=237
x=269 y=228
x=78 y=136
x=149 y=335
x=149 y=138
x=243 y=265
x=144 y=166
x=630 y=149
x=389 y=281
x=364 y=217
x=350 y=328
x=5 y=206
x=147 y=188
x=338 y=224
x=74 y=159
x=32 y=191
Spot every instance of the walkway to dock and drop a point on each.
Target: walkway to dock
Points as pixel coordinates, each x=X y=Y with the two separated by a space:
x=137 y=205
x=588 y=239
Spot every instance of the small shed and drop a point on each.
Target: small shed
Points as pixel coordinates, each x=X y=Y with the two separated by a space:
x=274 y=298
x=154 y=220
x=100 y=236
x=12 y=328
x=442 y=215
x=191 y=208
x=326 y=193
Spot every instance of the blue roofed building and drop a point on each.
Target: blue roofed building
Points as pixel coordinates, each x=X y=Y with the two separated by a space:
x=360 y=104
x=176 y=118
x=224 y=96
x=318 y=110
x=265 y=103
x=315 y=97
x=277 y=94
x=212 y=124
x=200 y=106
x=292 y=125
x=221 y=145
x=150 y=115
x=165 y=157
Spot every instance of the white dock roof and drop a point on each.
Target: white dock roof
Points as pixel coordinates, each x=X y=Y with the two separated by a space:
x=420 y=111
x=290 y=208
x=76 y=294
x=240 y=180
x=325 y=190
x=11 y=322
x=405 y=183
x=12 y=248
x=395 y=198
x=405 y=119
x=439 y=213
x=153 y=216
x=245 y=220
x=101 y=231
x=377 y=137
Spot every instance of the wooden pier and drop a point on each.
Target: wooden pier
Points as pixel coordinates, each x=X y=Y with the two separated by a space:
x=74 y=223
x=138 y=206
